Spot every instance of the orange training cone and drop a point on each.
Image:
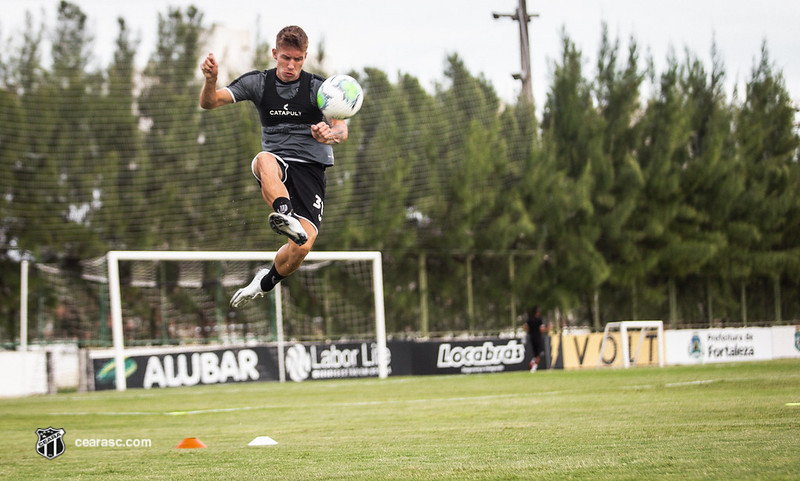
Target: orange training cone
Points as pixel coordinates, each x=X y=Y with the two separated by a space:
x=190 y=443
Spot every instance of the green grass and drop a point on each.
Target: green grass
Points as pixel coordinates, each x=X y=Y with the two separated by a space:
x=724 y=421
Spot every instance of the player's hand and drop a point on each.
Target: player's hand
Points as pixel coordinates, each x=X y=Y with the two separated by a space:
x=323 y=134
x=209 y=67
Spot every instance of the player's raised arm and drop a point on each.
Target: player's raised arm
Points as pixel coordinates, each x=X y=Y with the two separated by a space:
x=210 y=96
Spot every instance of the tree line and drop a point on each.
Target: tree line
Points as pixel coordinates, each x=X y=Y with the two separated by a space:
x=637 y=194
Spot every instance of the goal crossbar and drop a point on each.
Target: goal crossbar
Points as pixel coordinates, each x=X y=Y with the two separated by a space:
x=114 y=288
x=623 y=327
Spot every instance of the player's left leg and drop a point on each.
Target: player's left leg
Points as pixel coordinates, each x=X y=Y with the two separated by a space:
x=290 y=256
x=306 y=186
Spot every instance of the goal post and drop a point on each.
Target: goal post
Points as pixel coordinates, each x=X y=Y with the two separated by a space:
x=623 y=327
x=114 y=287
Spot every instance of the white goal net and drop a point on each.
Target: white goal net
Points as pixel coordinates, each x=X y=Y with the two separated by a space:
x=180 y=296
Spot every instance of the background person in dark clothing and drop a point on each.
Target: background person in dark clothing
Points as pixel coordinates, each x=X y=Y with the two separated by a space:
x=536 y=329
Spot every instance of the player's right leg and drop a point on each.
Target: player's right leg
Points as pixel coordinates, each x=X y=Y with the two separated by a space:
x=289 y=225
x=270 y=171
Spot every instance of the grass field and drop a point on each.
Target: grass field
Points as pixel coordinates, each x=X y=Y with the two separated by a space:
x=725 y=421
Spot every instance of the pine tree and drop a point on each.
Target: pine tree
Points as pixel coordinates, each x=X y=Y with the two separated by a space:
x=710 y=183
x=31 y=217
x=475 y=161
x=768 y=145
x=74 y=88
x=573 y=147
x=169 y=103
x=620 y=188
x=125 y=172
x=666 y=131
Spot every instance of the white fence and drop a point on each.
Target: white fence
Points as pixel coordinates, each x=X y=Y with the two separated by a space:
x=23 y=373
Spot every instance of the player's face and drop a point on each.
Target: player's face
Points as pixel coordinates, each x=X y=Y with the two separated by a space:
x=289 y=62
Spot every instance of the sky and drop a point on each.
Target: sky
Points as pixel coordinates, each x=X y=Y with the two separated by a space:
x=416 y=36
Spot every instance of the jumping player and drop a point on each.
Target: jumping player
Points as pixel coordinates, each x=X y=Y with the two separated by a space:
x=296 y=142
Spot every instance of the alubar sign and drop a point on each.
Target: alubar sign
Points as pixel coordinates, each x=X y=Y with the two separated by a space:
x=189 y=368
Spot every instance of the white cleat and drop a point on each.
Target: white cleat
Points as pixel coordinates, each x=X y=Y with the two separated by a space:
x=250 y=291
x=289 y=226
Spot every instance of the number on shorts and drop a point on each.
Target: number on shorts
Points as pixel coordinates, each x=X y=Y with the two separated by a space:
x=318 y=204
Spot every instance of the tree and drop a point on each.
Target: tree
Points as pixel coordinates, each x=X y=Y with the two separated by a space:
x=23 y=146
x=474 y=160
x=572 y=132
x=710 y=182
x=55 y=143
x=125 y=167
x=473 y=165
x=24 y=70
x=72 y=92
x=667 y=129
x=618 y=190
x=379 y=168
x=768 y=145
x=169 y=102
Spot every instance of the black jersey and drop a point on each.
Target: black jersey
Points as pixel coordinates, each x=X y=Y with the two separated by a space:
x=287 y=111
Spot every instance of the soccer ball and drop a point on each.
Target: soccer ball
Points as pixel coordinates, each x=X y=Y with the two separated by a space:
x=340 y=97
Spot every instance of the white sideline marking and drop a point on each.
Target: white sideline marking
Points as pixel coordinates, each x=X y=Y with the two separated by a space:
x=690 y=383
x=165 y=413
x=670 y=384
x=130 y=413
x=446 y=399
x=248 y=408
x=217 y=410
x=638 y=386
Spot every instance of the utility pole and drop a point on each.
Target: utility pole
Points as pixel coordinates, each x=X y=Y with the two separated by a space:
x=522 y=17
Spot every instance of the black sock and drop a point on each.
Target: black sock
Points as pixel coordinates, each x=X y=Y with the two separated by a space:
x=282 y=205
x=271 y=279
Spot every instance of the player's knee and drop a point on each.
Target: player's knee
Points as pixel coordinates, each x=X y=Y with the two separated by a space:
x=267 y=164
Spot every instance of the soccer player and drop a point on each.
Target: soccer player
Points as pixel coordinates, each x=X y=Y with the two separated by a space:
x=296 y=142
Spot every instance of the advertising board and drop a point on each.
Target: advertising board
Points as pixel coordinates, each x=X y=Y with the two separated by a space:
x=698 y=346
